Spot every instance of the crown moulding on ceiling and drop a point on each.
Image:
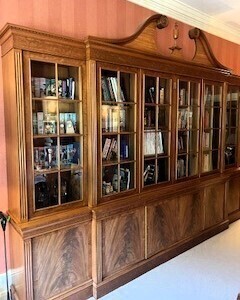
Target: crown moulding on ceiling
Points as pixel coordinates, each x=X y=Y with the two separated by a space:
x=181 y=12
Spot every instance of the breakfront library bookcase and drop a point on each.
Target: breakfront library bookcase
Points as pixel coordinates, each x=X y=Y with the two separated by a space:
x=118 y=158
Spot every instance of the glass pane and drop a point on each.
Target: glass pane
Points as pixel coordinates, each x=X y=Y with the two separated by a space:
x=71 y=185
x=215 y=139
x=233 y=118
x=68 y=82
x=126 y=176
x=181 y=166
x=46 y=190
x=193 y=164
x=216 y=117
x=44 y=117
x=231 y=136
x=193 y=140
x=217 y=95
x=43 y=80
x=208 y=96
x=126 y=146
x=110 y=148
x=126 y=117
x=150 y=117
x=207 y=138
x=163 y=117
x=163 y=141
x=127 y=87
x=207 y=162
x=150 y=89
x=194 y=118
x=109 y=84
x=182 y=141
x=183 y=93
x=164 y=91
x=182 y=118
x=229 y=155
x=215 y=156
x=68 y=117
x=149 y=142
x=163 y=167
x=194 y=94
x=149 y=174
x=70 y=152
x=110 y=180
x=45 y=154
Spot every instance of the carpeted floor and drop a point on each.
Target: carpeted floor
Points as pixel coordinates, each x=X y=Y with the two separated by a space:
x=209 y=271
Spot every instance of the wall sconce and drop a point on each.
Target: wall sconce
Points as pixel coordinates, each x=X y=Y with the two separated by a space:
x=175 y=37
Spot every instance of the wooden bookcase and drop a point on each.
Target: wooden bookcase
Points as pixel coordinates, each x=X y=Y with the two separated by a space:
x=118 y=158
x=51 y=224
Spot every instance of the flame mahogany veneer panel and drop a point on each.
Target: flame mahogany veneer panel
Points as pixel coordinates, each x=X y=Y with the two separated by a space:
x=60 y=261
x=233 y=195
x=122 y=241
x=173 y=220
x=214 y=204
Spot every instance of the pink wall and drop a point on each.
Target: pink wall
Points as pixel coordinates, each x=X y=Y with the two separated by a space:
x=105 y=18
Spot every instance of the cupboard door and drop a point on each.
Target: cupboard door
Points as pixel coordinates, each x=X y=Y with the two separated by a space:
x=56 y=135
x=117 y=128
x=231 y=129
x=156 y=129
x=188 y=128
x=212 y=126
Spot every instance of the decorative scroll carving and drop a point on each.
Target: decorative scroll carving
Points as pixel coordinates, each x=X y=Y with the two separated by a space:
x=203 y=52
x=145 y=37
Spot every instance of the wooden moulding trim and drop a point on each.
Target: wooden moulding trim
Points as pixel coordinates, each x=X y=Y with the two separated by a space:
x=50 y=223
x=155 y=195
x=21 y=136
x=147 y=29
x=203 y=51
x=31 y=39
x=116 y=280
x=234 y=216
x=83 y=291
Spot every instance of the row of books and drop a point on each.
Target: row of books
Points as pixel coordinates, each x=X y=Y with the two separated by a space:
x=113 y=118
x=153 y=142
x=110 y=89
x=150 y=96
x=110 y=148
x=46 y=157
x=116 y=182
x=46 y=87
x=184 y=119
x=45 y=123
x=183 y=97
x=181 y=168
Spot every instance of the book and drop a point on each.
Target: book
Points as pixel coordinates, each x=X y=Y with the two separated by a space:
x=124 y=147
x=112 y=151
x=149 y=142
x=181 y=171
x=40 y=127
x=122 y=119
x=125 y=179
x=161 y=95
x=106 y=96
x=106 y=147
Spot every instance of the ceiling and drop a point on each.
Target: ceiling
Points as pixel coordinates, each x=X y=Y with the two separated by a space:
x=218 y=17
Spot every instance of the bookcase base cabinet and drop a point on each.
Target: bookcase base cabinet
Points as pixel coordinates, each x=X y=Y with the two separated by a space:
x=132 y=242
x=55 y=265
